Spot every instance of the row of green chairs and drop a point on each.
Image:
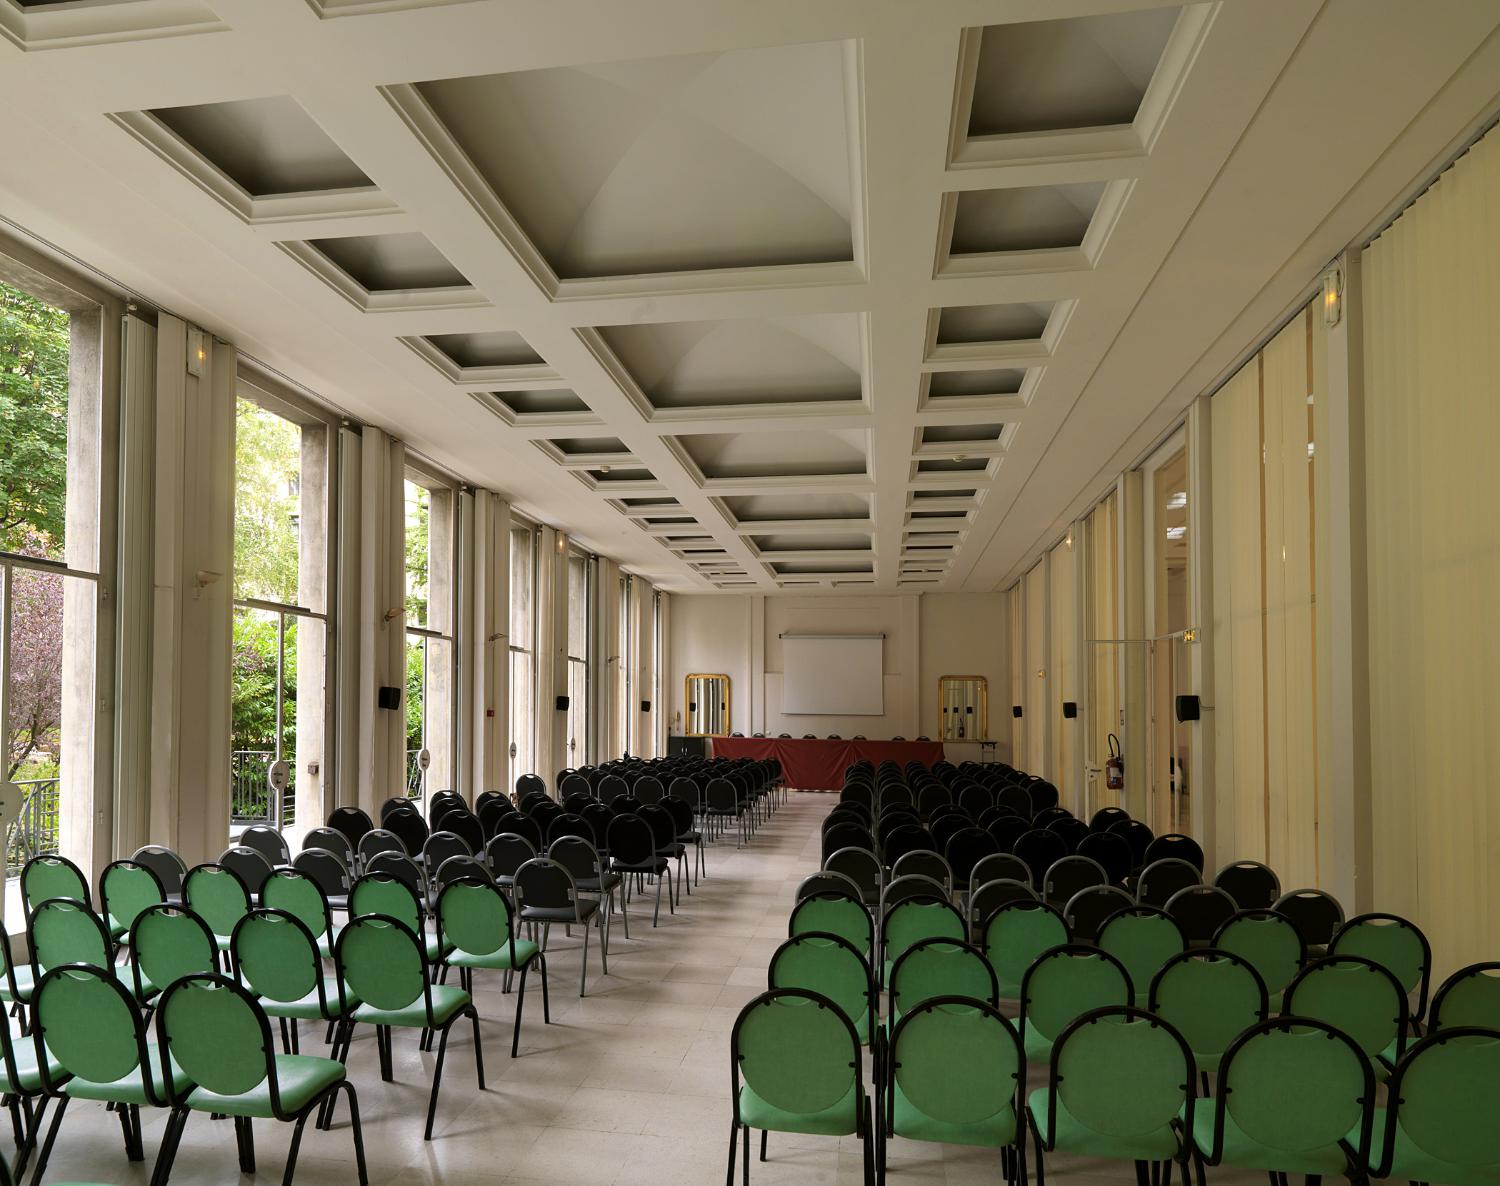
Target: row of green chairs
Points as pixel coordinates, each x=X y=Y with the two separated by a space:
x=1296 y=1095
x=213 y=1052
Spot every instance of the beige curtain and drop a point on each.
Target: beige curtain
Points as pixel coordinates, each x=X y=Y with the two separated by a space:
x=1062 y=669
x=1102 y=661
x=1264 y=619
x=1432 y=428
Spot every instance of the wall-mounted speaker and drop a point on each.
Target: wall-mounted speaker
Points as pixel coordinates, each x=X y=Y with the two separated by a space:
x=1188 y=708
x=1015 y=711
x=562 y=704
x=1070 y=709
x=645 y=706
x=388 y=698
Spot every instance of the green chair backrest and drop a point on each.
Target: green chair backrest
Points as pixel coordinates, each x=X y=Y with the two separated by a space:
x=216 y=1033
x=796 y=1050
x=1016 y=934
x=384 y=893
x=88 y=1023
x=1354 y=995
x=299 y=895
x=909 y=922
x=128 y=888
x=1268 y=942
x=65 y=931
x=1142 y=938
x=1470 y=997
x=382 y=961
x=1445 y=1090
x=475 y=916
x=957 y=1061
x=829 y=965
x=217 y=896
x=833 y=914
x=169 y=942
x=1210 y=997
x=1296 y=1085
x=1393 y=943
x=276 y=956
x=940 y=968
x=46 y=877
x=1065 y=983
x=1122 y=1073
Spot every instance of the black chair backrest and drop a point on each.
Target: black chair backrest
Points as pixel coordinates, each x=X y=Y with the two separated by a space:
x=507 y=852
x=632 y=842
x=248 y=864
x=410 y=828
x=379 y=840
x=165 y=863
x=325 y=868
x=1111 y=851
x=268 y=842
x=351 y=821
x=1316 y=915
x=1175 y=844
x=1253 y=885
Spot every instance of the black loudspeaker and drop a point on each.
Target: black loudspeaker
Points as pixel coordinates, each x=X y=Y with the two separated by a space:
x=1015 y=711
x=645 y=706
x=1070 y=709
x=1188 y=708
x=562 y=704
x=388 y=698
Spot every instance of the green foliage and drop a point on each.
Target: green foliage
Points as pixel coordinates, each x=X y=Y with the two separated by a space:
x=267 y=504
x=253 y=683
x=418 y=521
x=416 y=683
x=33 y=422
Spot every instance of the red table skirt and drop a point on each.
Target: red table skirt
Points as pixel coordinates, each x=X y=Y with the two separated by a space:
x=818 y=764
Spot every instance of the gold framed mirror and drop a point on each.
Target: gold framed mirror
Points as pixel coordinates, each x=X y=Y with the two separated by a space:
x=707 y=699
x=963 y=708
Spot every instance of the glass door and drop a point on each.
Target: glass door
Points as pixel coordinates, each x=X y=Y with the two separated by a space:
x=1169 y=608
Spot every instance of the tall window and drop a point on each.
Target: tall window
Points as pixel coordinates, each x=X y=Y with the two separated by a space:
x=522 y=652
x=431 y=679
x=580 y=601
x=49 y=562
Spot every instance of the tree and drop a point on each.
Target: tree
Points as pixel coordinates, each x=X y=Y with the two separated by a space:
x=36 y=654
x=267 y=504
x=33 y=423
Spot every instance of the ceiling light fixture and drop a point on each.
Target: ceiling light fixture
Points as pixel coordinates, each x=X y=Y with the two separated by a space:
x=1333 y=296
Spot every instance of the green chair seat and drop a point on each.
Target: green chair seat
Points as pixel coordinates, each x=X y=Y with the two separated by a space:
x=839 y=1120
x=326 y=942
x=300 y=1078
x=446 y=1001
x=1240 y=1152
x=1037 y=1045
x=28 y=1080
x=130 y=1088
x=1411 y=1163
x=910 y=1122
x=310 y=1008
x=25 y=982
x=497 y=960
x=1162 y=1144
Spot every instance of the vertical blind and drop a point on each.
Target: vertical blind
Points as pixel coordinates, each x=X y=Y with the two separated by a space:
x=1432 y=436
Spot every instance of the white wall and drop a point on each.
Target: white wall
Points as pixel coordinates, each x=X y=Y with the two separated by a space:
x=927 y=636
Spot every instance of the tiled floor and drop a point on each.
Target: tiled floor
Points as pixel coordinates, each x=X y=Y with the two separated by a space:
x=627 y=1087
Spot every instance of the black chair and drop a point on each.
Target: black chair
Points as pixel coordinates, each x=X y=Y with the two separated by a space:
x=1039 y=848
x=632 y=851
x=1175 y=844
x=351 y=821
x=328 y=871
x=1201 y=910
x=409 y=828
x=1111 y=851
x=1067 y=876
x=1087 y=911
x=1253 y=885
x=1316 y=915
x=545 y=894
x=1159 y=880
x=506 y=853
x=268 y=842
x=529 y=784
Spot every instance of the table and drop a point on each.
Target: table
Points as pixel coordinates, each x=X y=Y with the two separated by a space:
x=817 y=763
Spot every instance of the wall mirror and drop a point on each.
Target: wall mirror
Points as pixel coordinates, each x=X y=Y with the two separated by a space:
x=964 y=702
x=707 y=701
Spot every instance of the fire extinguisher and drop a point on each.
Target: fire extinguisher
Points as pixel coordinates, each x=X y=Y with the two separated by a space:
x=1114 y=765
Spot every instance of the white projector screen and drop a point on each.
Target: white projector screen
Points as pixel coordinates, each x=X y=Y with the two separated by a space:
x=828 y=675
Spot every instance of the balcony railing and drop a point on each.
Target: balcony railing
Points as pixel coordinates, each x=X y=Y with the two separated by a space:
x=35 y=831
x=250 y=792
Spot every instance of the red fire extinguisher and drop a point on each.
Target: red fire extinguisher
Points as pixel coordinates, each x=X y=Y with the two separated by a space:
x=1114 y=766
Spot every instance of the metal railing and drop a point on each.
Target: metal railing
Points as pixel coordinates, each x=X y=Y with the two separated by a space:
x=35 y=831
x=250 y=792
x=414 y=774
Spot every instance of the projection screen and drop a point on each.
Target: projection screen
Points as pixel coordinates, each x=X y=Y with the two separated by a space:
x=833 y=675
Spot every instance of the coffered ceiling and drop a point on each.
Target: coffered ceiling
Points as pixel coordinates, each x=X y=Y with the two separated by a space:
x=855 y=295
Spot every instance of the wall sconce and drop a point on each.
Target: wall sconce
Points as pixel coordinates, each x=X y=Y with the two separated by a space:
x=1333 y=296
x=394 y=612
